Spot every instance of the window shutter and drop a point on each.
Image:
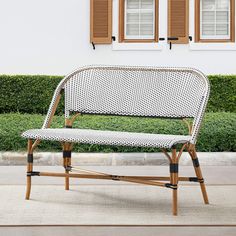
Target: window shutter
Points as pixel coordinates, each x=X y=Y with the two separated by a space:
x=101 y=21
x=178 y=20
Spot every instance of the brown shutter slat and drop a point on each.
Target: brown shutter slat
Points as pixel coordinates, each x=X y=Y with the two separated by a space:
x=178 y=20
x=101 y=21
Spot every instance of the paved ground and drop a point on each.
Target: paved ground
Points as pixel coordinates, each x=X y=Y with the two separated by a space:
x=116 y=159
x=117 y=231
x=214 y=175
x=219 y=175
x=124 y=205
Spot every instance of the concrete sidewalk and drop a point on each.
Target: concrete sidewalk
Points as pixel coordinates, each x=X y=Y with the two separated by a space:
x=115 y=205
x=116 y=159
x=118 y=231
x=213 y=175
x=13 y=178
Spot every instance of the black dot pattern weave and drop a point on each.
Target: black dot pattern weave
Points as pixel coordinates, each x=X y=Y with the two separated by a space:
x=129 y=91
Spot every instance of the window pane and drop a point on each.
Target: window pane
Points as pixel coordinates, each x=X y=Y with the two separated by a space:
x=222 y=4
x=133 y=4
x=146 y=29
x=132 y=29
x=132 y=18
x=208 y=5
x=139 y=19
x=208 y=29
x=222 y=29
x=147 y=4
x=215 y=16
x=222 y=16
x=146 y=17
x=208 y=16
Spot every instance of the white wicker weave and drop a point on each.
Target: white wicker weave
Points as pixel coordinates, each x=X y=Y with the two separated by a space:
x=132 y=91
x=108 y=137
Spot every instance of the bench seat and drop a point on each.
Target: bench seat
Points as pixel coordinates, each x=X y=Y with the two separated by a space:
x=107 y=137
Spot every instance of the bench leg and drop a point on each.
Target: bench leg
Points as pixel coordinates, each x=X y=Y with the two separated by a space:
x=67 y=180
x=67 y=162
x=174 y=181
x=29 y=169
x=198 y=172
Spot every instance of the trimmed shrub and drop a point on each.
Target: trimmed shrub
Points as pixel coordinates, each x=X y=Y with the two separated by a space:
x=32 y=94
x=27 y=94
x=223 y=93
x=218 y=132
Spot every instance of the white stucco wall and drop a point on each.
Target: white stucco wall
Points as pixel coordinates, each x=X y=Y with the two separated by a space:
x=52 y=37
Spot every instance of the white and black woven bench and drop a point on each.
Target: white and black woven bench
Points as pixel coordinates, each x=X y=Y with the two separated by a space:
x=178 y=93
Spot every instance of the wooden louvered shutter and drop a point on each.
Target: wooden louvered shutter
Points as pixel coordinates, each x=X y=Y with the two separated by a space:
x=101 y=21
x=178 y=20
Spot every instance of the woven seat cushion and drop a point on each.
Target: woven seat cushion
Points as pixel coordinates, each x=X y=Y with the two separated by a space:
x=107 y=137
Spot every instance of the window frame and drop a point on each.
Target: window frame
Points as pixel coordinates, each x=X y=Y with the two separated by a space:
x=122 y=38
x=198 y=38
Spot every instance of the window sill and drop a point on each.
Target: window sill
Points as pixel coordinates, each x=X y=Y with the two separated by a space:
x=214 y=41
x=212 y=46
x=136 y=46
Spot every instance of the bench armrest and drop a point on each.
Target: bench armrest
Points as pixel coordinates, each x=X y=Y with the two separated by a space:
x=56 y=97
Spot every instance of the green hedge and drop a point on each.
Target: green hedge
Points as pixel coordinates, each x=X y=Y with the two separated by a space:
x=223 y=93
x=218 y=132
x=32 y=94
x=27 y=94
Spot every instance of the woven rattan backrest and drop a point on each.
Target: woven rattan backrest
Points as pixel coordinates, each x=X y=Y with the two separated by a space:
x=136 y=91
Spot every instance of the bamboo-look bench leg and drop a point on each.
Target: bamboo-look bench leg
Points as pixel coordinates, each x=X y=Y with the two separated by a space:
x=174 y=181
x=29 y=169
x=174 y=178
x=198 y=172
x=67 y=162
x=67 y=151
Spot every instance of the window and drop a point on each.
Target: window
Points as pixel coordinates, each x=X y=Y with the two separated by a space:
x=138 y=21
x=215 y=20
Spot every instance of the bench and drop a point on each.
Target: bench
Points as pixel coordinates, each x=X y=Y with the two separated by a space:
x=178 y=93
